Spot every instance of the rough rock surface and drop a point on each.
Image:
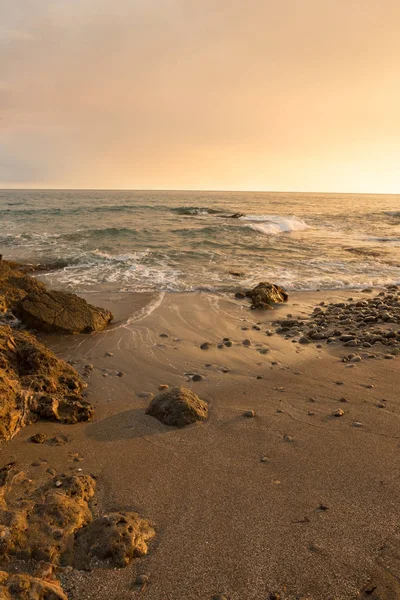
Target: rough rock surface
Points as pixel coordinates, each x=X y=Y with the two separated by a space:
x=49 y=524
x=178 y=407
x=15 y=284
x=55 y=311
x=35 y=384
x=265 y=294
x=23 y=587
x=116 y=538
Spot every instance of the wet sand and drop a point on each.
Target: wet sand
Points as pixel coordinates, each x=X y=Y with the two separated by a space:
x=293 y=498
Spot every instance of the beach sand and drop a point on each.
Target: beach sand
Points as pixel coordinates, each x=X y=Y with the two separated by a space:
x=294 y=501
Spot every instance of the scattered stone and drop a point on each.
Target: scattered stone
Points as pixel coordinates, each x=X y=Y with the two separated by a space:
x=197 y=377
x=249 y=413
x=264 y=459
x=120 y=373
x=338 y=412
x=288 y=438
x=142 y=580
x=163 y=386
x=357 y=424
x=178 y=407
x=164 y=335
x=246 y=342
x=144 y=394
x=109 y=354
x=228 y=344
x=205 y=346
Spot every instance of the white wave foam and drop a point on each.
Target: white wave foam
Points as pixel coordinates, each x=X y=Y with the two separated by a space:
x=274 y=224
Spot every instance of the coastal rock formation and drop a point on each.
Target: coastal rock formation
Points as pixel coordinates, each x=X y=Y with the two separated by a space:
x=178 y=407
x=40 y=524
x=19 y=586
x=35 y=384
x=265 y=294
x=50 y=524
x=44 y=310
x=55 y=311
x=15 y=284
x=116 y=538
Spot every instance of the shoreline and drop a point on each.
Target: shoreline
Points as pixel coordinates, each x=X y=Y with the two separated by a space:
x=293 y=499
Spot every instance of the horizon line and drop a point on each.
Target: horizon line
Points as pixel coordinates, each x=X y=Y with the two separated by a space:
x=88 y=189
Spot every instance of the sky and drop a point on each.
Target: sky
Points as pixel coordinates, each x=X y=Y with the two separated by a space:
x=275 y=95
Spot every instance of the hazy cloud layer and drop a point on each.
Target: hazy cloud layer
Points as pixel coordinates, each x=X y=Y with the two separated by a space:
x=264 y=94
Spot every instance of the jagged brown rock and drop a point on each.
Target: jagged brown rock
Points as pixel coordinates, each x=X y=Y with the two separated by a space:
x=116 y=538
x=45 y=310
x=55 y=311
x=178 y=407
x=19 y=586
x=48 y=525
x=15 y=284
x=265 y=294
x=35 y=384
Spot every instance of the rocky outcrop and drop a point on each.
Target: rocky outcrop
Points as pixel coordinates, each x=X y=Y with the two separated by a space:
x=55 y=311
x=45 y=310
x=35 y=384
x=178 y=407
x=116 y=538
x=265 y=294
x=48 y=525
x=15 y=284
x=19 y=586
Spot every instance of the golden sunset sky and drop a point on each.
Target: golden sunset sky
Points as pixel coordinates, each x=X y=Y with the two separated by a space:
x=293 y=95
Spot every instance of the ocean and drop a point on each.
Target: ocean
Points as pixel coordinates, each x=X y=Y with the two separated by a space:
x=185 y=241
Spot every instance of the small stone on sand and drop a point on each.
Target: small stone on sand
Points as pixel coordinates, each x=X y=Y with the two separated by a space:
x=197 y=377
x=249 y=414
x=39 y=438
x=163 y=386
x=338 y=412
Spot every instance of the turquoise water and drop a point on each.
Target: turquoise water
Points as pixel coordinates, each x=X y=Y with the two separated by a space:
x=182 y=241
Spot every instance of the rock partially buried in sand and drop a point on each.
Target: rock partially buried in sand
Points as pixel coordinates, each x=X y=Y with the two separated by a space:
x=265 y=294
x=55 y=311
x=178 y=407
x=116 y=538
x=17 y=586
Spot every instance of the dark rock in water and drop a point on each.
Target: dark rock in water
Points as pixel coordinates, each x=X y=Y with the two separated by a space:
x=265 y=294
x=116 y=538
x=55 y=311
x=237 y=273
x=240 y=295
x=19 y=586
x=178 y=407
x=35 y=384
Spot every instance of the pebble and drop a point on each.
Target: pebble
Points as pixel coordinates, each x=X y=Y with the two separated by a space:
x=58 y=483
x=288 y=438
x=228 y=344
x=357 y=424
x=312 y=399
x=163 y=386
x=142 y=579
x=249 y=413
x=120 y=373
x=144 y=394
x=164 y=335
x=197 y=377
x=339 y=382
x=246 y=342
x=51 y=471
x=264 y=459
x=109 y=354
x=356 y=359
x=338 y=412
x=36 y=463
x=205 y=346
x=311 y=413
x=381 y=405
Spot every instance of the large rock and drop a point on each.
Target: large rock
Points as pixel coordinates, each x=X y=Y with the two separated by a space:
x=178 y=407
x=15 y=284
x=49 y=524
x=116 y=538
x=19 y=586
x=55 y=311
x=265 y=294
x=35 y=384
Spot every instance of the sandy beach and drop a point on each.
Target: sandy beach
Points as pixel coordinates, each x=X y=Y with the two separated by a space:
x=292 y=501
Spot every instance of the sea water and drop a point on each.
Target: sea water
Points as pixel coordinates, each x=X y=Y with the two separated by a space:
x=185 y=241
